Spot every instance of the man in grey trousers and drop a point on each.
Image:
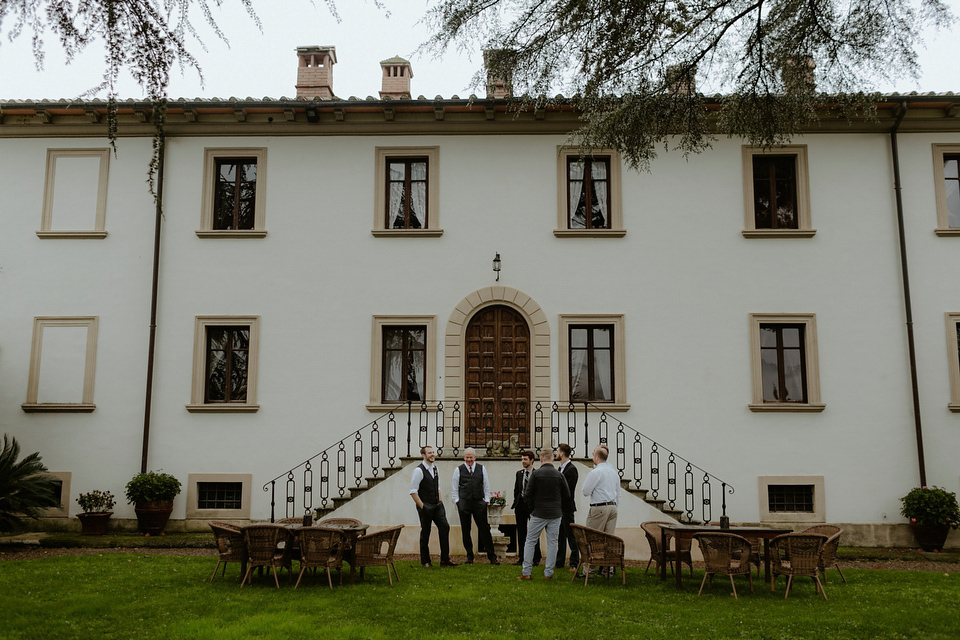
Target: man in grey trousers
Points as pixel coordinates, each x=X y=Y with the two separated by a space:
x=545 y=493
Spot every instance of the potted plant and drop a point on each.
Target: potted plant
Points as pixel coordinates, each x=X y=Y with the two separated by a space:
x=932 y=512
x=97 y=508
x=495 y=511
x=152 y=495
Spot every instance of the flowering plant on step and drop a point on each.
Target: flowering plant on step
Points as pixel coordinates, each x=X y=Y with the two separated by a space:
x=497 y=499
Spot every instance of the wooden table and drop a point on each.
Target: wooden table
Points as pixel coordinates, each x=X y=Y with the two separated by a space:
x=687 y=531
x=351 y=532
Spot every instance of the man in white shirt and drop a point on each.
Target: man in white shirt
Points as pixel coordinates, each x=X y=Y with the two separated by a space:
x=471 y=494
x=425 y=491
x=602 y=487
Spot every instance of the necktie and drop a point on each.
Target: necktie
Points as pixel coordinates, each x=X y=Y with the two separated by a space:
x=526 y=479
x=436 y=476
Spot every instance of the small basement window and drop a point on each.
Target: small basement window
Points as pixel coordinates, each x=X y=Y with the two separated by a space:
x=790 y=497
x=786 y=499
x=219 y=495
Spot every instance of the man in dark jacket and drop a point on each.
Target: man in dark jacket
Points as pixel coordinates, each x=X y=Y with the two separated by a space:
x=520 y=507
x=545 y=493
x=569 y=471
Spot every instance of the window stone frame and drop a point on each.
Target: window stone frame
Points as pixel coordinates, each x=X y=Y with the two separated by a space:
x=210 y=157
x=381 y=156
x=86 y=404
x=98 y=232
x=940 y=195
x=197 y=404
x=809 y=321
x=376 y=403
x=804 y=224
x=616 y=320
x=616 y=229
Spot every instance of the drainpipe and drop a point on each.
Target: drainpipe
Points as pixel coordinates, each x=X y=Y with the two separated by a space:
x=908 y=307
x=151 y=349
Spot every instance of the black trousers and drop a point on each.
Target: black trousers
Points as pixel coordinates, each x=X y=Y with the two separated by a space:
x=432 y=514
x=476 y=511
x=566 y=537
x=522 y=517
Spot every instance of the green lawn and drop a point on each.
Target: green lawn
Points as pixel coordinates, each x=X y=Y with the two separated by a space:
x=138 y=596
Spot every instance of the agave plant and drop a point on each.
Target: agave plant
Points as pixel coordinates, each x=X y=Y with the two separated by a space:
x=25 y=489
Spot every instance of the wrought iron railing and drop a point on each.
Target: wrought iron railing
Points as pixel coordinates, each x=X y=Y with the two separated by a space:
x=645 y=464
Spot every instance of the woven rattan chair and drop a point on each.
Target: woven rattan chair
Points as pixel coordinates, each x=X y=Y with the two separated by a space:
x=230 y=546
x=726 y=554
x=376 y=550
x=828 y=557
x=797 y=554
x=262 y=542
x=339 y=521
x=824 y=529
x=652 y=532
x=320 y=548
x=286 y=521
x=598 y=549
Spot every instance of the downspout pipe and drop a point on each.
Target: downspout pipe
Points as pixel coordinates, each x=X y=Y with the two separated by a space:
x=907 y=305
x=151 y=349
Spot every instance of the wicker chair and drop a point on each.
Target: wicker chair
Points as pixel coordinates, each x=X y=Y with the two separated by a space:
x=339 y=521
x=262 y=542
x=726 y=554
x=376 y=550
x=598 y=549
x=231 y=547
x=320 y=548
x=286 y=521
x=797 y=554
x=652 y=531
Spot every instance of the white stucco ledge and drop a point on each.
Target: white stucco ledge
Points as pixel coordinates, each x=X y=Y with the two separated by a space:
x=779 y=233
x=58 y=407
x=67 y=234
x=231 y=233
x=786 y=407
x=590 y=233
x=223 y=408
x=407 y=233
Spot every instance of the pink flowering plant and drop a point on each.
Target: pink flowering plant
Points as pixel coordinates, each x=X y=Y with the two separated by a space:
x=931 y=507
x=497 y=499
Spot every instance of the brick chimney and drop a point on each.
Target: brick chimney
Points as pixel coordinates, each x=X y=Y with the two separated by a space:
x=315 y=71
x=499 y=66
x=396 y=78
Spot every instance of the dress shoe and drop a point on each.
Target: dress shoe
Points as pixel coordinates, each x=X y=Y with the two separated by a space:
x=548 y=577
x=469 y=561
x=427 y=565
x=523 y=577
x=448 y=563
x=495 y=561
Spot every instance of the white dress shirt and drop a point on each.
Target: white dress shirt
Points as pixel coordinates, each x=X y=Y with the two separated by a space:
x=456 y=483
x=602 y=484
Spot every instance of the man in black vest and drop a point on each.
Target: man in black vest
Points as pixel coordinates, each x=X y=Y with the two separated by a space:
x=521 y=509
x=425 y=491
x=471 y=493
x=569 y=472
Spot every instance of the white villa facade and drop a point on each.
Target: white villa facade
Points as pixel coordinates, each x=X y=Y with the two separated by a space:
x=350 y=269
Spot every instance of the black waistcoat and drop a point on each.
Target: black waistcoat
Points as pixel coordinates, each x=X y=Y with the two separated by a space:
x=471 y=486
x=429 y=490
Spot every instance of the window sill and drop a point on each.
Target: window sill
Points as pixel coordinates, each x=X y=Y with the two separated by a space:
x=407 y=233
x=223 y=408
x=231 y=233
x=64 y=234
x=954 y=407
x=952 y=231
x=778 y=233
x=589 y=233
x=58 y=407
x=787 y=407
x=606 y=407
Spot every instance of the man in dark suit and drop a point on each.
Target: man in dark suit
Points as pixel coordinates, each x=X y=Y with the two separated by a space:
x=521 y=509
x=544 y=494
x=569 y=472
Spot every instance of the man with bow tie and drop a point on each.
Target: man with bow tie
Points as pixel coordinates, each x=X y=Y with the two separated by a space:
x=471 y=494
x=425 y=491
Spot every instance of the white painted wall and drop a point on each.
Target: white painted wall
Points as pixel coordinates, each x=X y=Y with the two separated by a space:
x=684 y=278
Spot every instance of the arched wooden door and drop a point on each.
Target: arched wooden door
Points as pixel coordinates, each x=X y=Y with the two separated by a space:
x=497 y=376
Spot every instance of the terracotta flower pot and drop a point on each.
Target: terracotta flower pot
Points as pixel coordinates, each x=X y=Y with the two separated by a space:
x=152 y=516
x=94 y=524
x=930 y=538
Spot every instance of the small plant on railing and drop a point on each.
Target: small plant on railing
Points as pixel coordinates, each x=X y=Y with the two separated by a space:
x=96 y=501
x=931 y=507
x=497 y=499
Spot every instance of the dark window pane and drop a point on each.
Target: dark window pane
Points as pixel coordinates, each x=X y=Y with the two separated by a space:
x=790 y=498
x=591 y=363
x=782 y=363
x=227 y=364
x=404 y=363
x=219 y=495
x=951 y=180
x=774 y=192
x=588 y=193
x=407 y=193
x=235 y=193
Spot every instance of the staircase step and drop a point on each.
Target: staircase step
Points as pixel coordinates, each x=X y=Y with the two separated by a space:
x=356 y=491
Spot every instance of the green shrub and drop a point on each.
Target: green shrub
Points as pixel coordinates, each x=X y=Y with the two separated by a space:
x=25 y=489
x=153 y=486
x=930 y=507
x=96 y=501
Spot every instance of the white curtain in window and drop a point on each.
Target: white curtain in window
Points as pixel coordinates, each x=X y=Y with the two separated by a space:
x=575 y=188
x=599 y=173
x=579 y=389
x=418 y=205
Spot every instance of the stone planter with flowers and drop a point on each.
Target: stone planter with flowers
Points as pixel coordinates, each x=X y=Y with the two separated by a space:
x=932 y=512
x=97 y=508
